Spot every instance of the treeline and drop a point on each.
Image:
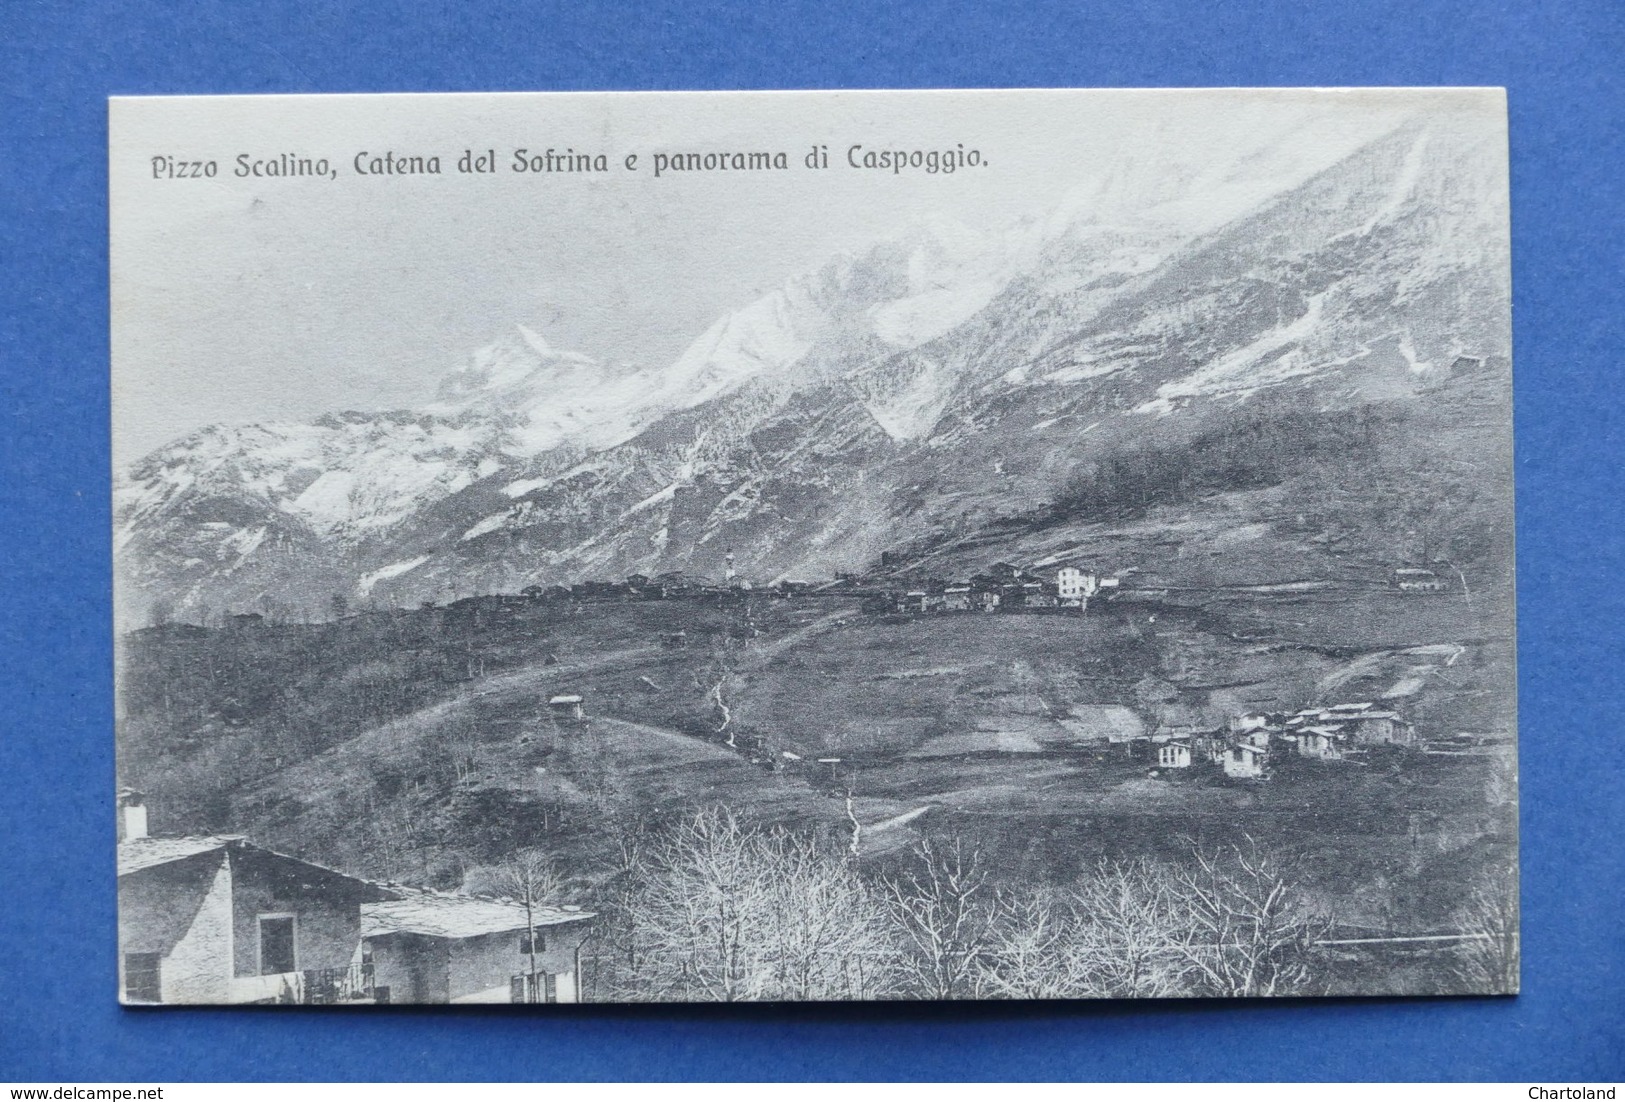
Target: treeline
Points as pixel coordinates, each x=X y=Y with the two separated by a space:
x=717 y=910
x=1260 y=445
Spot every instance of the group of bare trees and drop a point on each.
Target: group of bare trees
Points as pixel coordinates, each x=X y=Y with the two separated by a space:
x=1225 y=921
x=715 y=909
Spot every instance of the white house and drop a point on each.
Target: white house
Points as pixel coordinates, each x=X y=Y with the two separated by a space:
x=1364 y=723
x=1250 y=721
x=1256 y=737
x=1074 y=586
x=1174 y=755
x=1246 y=761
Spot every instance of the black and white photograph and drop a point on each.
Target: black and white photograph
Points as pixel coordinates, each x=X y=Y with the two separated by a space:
x=813 y=546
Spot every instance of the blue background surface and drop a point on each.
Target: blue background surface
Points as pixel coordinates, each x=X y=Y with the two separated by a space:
x=1563 y=65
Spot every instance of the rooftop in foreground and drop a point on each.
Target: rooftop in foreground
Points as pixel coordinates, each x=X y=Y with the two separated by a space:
x=440 y=914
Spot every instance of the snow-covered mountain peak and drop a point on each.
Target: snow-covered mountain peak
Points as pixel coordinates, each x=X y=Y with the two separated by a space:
x=517 y=361
x=545 y=398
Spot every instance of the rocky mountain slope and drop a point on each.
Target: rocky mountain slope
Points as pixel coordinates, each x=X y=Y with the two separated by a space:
x=942 y=383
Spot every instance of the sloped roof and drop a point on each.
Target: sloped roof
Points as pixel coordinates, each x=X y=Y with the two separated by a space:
x=440 y=914
x=136 y=854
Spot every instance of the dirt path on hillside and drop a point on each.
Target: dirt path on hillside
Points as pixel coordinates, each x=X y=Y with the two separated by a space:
x=763 y=653
x=676 y=740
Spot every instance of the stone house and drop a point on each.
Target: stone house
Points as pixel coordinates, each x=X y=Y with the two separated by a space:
x=214 y=919
x=1103 y=723
x=435 y=947
x=1320 y=743
x=567 y=706
x=1246 y=761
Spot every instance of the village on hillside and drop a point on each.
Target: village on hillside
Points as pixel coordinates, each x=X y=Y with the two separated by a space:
x=217 y=918
x=895 y=587
x=1242 y=747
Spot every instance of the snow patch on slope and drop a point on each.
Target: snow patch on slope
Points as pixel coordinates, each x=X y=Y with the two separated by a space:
x=914 y=410
x=1272 y=358
x=494 y=522
x=652 y=500
x=365 y=583
x=910 y=322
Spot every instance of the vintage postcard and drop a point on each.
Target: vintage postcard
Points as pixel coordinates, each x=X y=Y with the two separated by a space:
x=813 y=546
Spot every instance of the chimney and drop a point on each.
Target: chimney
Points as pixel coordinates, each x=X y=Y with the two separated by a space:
x=132 y=815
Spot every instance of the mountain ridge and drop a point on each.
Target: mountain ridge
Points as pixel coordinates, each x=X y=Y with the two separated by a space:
x=939 y=378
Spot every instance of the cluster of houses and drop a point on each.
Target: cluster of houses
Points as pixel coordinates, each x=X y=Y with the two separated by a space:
x=216 y=919
x=1003 y=588
x=1245 y=748
x=671 y=585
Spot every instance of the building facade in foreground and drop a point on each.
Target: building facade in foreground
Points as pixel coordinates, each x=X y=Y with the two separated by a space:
x=215 y=919
x=432 y=947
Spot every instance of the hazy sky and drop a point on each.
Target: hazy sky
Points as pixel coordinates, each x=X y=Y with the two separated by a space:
x=261 y=299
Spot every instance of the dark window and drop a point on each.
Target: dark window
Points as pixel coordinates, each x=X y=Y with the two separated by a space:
x=276 y=945
x=524 y=943
x=524 y=988
x=141 y=983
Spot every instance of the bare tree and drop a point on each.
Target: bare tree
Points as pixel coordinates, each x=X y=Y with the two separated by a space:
x=695 y=910
x=826 y=933
x=1133 y=937
x=1252 y=934
x=1121 y=931
x=945 y=917
x=530 y=878
x=730 y=912
x=1029 y=953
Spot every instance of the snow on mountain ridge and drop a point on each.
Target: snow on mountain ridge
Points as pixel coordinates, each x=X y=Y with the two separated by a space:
x=343 y=477
x=936 y=356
